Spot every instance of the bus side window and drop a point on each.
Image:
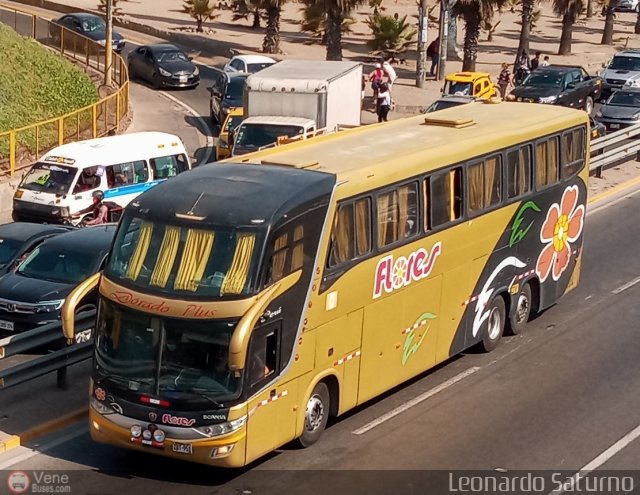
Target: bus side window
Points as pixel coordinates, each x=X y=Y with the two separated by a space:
x=443 y=198
x=397 y=214
x=351 y=234
x=484 y=181
x=263 y=355
x=573 y=150
x=518 y=171
x=287 y=253
x=547 y=162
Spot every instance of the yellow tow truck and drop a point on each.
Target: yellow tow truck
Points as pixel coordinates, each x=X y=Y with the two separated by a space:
x=476 y=84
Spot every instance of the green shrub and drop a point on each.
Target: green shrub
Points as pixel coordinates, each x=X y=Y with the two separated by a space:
x=36 y=84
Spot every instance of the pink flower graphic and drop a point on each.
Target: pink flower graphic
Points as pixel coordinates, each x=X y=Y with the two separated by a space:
x=562 y=227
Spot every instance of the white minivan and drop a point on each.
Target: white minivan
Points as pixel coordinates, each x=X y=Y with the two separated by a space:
x=62 y=182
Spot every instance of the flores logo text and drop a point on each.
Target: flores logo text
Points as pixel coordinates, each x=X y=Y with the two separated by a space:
x=393 y=274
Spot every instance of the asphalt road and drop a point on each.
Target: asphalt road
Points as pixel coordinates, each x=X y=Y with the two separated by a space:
x=556 y=397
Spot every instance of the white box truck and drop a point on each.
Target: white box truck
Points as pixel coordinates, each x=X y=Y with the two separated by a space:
x=298 y=99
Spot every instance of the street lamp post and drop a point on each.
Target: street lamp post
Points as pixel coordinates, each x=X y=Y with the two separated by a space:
x=423 y=23
x=108 y=45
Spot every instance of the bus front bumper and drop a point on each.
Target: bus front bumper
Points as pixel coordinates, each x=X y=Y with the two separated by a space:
x=227 y=451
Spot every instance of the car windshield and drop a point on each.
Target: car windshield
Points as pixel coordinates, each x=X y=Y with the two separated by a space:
x=66 y=265
x=621 y=62
x=8 y=250
x=47 y=177
x=254 y=136
x=442 y=104
x=170 y=357
x=458 y=88
x=543 y=78
x=232 y=122
x=93 y=24
x=234 y=89
x=625 y=99
x=184 y=261
x=258 y=66
x=172 y=56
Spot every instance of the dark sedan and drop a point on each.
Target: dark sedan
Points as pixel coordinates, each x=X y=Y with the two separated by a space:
x=163 y=65
x=34 y=293
x=18 y=239
x=89 y=25
x=622 y=109
x=226 y=93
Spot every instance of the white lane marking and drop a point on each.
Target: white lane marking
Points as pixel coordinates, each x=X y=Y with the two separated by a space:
x=598 y=461
x=82 y=430
x=626 y=286
x=415 y=401
x=203 y=123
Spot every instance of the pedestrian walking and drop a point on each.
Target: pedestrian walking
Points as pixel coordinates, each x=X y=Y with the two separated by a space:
x=535 y=61
x=433 y=52
x=522 y=68
x=377 y=78
x=504 y=80
x=384 y=102
x=545 y=62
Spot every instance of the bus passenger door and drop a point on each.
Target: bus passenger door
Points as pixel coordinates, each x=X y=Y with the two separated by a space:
x=272 y=416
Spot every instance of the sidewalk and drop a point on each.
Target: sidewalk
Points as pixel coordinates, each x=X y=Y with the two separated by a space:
x=224 y=37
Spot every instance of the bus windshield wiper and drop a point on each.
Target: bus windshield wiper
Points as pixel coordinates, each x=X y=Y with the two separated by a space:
x=214 y=402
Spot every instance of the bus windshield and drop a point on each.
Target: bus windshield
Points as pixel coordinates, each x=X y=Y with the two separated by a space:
x=47 y=177
x=182 y=260
x=173 y=358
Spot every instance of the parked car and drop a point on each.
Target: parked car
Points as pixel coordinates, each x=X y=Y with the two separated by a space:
x=622 y=69
x=18 y=239
x=622 y=109
x=627 y=6
x=226 y=93
x=89 y=25
x=478 y=84
x=566 y=85
x=34 y=293
x=164 y=66
x=448 y=102
x=225 y=144
x=248 y=63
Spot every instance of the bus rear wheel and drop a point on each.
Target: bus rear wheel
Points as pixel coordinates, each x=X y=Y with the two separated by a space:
x=316 y=415
x=522 y=312
x=494 y=327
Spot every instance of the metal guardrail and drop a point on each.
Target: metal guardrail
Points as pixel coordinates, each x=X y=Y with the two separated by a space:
x=613 y=148
x=20 y=147
x=63 y=354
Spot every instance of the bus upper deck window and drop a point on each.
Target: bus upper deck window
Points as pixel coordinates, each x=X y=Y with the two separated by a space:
x=573 y=151
x=443 y=197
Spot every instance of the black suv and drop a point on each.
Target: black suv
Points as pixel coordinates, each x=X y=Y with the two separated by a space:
x=34 y=293
x=565 y=85
x=226 y=93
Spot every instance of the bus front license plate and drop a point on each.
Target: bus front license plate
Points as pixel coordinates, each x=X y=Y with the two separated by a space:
x=183 y=448
x=6 y=325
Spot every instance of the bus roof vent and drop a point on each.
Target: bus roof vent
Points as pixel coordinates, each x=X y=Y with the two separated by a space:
x=456 y=123
x=296 y=164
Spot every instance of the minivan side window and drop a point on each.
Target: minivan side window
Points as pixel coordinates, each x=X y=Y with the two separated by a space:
x=168 y=166
x=124 y=174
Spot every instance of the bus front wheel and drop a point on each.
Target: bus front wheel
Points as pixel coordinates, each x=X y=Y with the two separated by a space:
x=494 y=327
x=522 y=312
x=316 y=415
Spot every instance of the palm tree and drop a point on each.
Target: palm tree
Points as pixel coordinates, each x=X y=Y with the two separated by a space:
x=115 y=10
x=589 y=9
x=637 y=27
x=474 y=12
x=390 y=35
x=271 y=42
x=526 y=18
x=607 y=31
x=569 y=11
x=315 y=20
x=200 y=10
x=243 y=9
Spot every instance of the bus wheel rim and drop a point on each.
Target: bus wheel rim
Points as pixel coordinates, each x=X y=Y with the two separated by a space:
x=494 y=324
x=522 y=309
x=315 y=413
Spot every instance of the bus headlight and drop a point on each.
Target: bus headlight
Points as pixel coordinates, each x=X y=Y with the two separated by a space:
x=136 y=431
x=158 y=436
x=222 y=451
x=146 y=434
x=223 y=428
x=100 y=406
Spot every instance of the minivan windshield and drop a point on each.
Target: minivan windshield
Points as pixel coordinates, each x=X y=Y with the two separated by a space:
x=49 y=177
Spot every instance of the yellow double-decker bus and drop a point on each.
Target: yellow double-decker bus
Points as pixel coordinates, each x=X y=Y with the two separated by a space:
x=245 y=303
